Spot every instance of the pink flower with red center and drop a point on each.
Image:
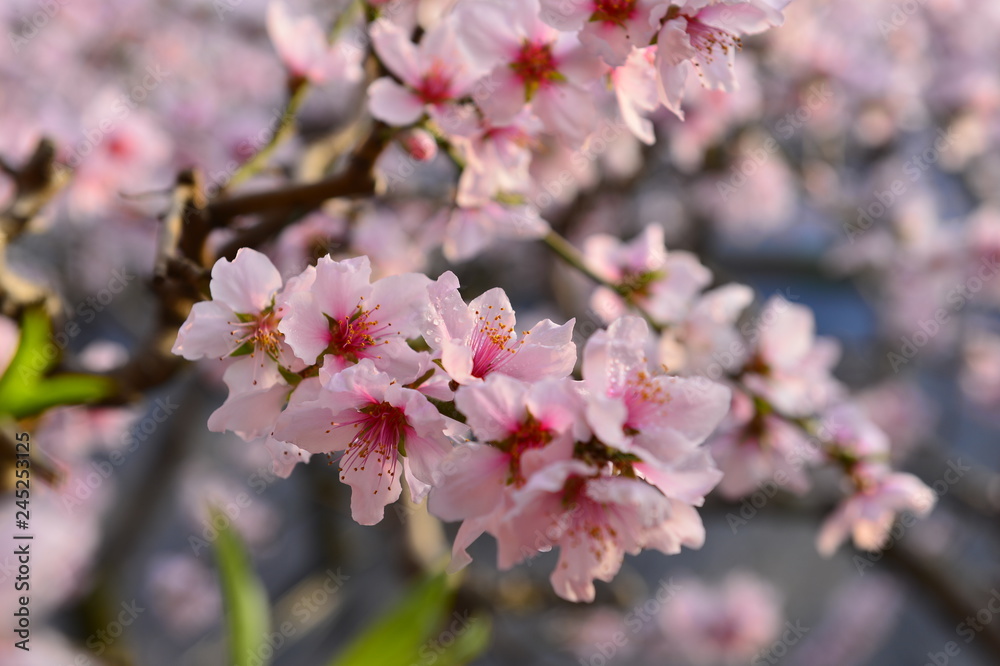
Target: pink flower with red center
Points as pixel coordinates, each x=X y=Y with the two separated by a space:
x=705 y=34
x=594 y=519
x=345 y=316
x=433 y=74
x=663 y=284
x=480 y=338
x=520 y=429
x=531 y=63
x=378 y=424
x=868 y=515
x=608 y=28
x=240 y=320
x=631 y=407
x=304 y=49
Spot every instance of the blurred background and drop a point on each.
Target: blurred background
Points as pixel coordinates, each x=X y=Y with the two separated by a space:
x=855 y=171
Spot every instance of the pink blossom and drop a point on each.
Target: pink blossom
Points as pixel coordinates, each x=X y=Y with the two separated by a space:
x=707 y=342
x=434 y=73
x=348 y=318
x=870 y=512
x=757 y=451
x=663 y=284
x=901 y=410
x=419 y=144
x=609 y=28
x=377 y=423
x=480 y=338
x=791 y=367
x=304 y=50
x=706 y=35
x=530 y=62
x=631 y=407
x=240 y=319
x=723 y=624
x=853 y=433
x=497 y=158
x=594 y=520
x=521 y=428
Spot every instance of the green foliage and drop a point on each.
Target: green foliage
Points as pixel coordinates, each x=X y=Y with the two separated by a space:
x=25 y=390
x=248 y=619
x=420 y=629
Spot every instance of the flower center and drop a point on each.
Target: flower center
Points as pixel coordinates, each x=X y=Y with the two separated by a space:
x=352 y=336
x=642 y=395
x=586 y=519
x=381 y=432
x=613 y=11
x=535 y=66
x=435 y=86
x=489 y=343
x=531 y=435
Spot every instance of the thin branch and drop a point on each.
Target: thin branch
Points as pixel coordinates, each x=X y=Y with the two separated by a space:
x=355 y=180
x=572 y=257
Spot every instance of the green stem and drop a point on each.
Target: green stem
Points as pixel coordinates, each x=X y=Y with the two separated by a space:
x=568 y=253
x=286 y=127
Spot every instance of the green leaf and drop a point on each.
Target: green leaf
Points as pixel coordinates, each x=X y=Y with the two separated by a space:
x=468 y=645
x=65 y=389
x=24 y=388
x=248 y=618
x=410 y=631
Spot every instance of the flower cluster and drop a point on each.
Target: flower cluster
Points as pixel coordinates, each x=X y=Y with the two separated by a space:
x=401 y=378
x=501 y=83
x=788 y=411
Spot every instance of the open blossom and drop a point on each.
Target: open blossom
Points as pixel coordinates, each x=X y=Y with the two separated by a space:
x=706 y=341
x=728 y=623
x=632 y=407
x=304 y=49
x=240 y=319
x=531 y=63
x=594 y=519
x=791 y=367
x=660 y=419
x=480 y=338
x=868 y=514
x=663 y=284
x=379 y=425
x=705 y=34
x=609 y=28
x=755 y=450
x=435 y=73
x=521 y=428
x=345 y=316
x=497 y=158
